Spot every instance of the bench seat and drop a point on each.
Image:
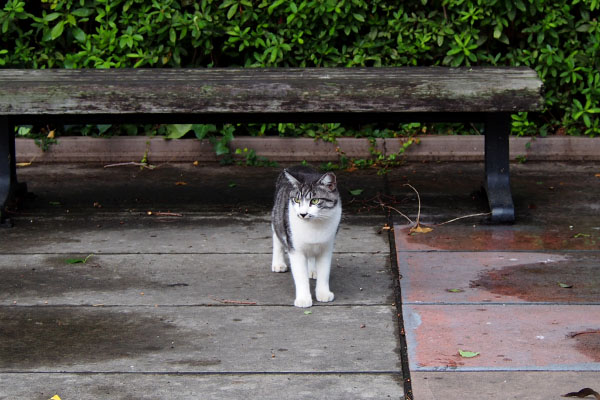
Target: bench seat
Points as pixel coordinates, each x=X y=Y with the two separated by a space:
x=355 y=95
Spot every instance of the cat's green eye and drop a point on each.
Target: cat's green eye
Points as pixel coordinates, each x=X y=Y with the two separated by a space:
x=314 y=202
x=296 y=199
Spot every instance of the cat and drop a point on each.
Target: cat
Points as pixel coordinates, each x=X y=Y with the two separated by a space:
x=305 y=221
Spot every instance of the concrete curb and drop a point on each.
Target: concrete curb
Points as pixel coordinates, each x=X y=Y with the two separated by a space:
x=430 y=148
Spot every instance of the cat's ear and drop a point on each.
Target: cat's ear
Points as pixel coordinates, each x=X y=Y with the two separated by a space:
x=291 y=178
x=328 y=180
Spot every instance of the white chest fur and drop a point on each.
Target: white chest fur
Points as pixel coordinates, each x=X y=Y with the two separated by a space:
x=312 y=236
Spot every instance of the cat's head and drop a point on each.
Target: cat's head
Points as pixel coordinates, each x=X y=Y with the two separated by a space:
x=313 y=196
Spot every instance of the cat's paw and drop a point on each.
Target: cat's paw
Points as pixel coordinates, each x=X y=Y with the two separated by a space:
x=279 y=268
x=325 y=296
x=312 y=273
x=303 y=302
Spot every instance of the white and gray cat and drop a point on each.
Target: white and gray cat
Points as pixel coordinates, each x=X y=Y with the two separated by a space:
x=305 y=220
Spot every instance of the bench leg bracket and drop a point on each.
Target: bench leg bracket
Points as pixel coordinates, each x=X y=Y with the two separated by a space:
x=497 y=178
x=9 y=187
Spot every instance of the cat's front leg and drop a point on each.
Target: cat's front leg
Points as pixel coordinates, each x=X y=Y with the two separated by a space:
x=312 y=268
x=278 y=264
x=323 y=266
x=299 y=265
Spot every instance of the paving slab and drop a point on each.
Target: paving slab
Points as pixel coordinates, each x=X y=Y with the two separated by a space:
x=500 y=277
x=480 y=237
x=198 y=339
x=500 y=385
x=148 y=234
x=508 y=337
x=41 y=386
x=180 y=279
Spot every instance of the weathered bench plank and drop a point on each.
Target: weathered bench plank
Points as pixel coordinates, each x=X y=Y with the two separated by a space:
x=361 y=95
x=272 y=91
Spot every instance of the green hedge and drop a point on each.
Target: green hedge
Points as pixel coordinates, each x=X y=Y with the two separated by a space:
x=559 y=39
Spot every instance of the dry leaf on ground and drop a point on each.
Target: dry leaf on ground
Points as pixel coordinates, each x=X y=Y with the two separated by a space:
x=583 y=393
x=420 y=229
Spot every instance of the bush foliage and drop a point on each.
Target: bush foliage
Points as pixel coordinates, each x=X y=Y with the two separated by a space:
x=559 y=39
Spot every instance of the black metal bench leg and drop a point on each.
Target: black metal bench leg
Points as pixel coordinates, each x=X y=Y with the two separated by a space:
x=497 y=178
x=9 y=186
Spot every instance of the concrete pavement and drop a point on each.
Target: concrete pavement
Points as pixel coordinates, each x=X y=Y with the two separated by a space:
x=177 y=299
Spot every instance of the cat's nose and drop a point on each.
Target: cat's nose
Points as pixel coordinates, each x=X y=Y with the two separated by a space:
x=303 y=215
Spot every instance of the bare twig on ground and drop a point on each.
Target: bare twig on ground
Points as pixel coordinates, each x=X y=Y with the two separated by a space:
x=596 y=332
x=465 y=216
x=137 y=164
x=164 y=214
x=246 y=303
x=418 y=199
x=383 y=203
x=394 y=209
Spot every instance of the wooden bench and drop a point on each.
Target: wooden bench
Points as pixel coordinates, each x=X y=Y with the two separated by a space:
x=356 y=95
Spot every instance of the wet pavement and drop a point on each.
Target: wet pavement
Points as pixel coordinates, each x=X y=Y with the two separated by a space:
x=177 y=299
x=521 y=302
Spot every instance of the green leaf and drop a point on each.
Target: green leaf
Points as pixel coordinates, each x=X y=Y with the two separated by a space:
x=565 y=285
x=359 y=17
x=82 y=12
x=79 y=34
x=273 y=6
x=232 y=10
x=520 y=5
x=102 y=128
x=497 y=32
x=455 y=290
x=202 y=130
x=221 y=148
x=586 y=120
x=51 y=16
x=57 y=30
x=468 y=354
x=24 y=130
x=356 y=192
x=307 y=312
x=177 y=131
x=78 y=260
